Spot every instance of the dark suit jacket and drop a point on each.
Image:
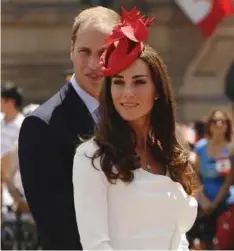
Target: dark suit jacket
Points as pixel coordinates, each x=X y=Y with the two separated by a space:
x=47 y=143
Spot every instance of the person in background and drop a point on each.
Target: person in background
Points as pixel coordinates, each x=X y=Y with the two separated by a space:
x=51 y=133
x=133 y=184
x=225 y=226
x=214 y=162
x=200 y=130
x=23 y=230
x=181 y=133
x=13 y=177
x=11 y=104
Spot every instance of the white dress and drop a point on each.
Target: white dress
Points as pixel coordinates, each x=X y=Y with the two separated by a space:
x=151 y=212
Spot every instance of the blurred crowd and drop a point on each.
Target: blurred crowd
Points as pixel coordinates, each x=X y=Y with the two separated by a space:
x=17 y=227
x=209 y=142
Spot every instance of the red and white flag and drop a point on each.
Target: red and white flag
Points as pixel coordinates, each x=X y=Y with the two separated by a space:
x=206 y=14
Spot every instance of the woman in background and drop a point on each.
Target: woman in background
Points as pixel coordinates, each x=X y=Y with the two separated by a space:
x=214 y=162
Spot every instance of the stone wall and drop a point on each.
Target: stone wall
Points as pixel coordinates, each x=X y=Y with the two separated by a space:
x=35 y=53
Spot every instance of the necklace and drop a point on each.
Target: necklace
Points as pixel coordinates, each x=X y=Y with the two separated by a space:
x=144 y=166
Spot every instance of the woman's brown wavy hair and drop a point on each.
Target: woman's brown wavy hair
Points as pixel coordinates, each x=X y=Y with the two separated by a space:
x=117 y=141
x=228 y=134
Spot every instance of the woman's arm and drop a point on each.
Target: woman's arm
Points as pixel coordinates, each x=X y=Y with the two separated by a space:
x=228 y=182
x=203 y=201
x=90 y=198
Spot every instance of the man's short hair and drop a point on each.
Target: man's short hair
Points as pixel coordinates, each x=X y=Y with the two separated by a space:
x=94 y=16
x=11 y=91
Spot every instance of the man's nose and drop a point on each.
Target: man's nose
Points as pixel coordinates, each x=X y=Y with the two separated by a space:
x=93 y=63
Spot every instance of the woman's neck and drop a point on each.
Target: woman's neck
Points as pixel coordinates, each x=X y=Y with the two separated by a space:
x=141 y=142
x=141 y=129
x=218 y=140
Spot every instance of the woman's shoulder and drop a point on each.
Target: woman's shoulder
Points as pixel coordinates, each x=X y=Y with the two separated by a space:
x=84 y=163
x=86 y=168
x=175 y=187
x=186 y=207
x=87 y=148
x=182 y=196
x=200 y=145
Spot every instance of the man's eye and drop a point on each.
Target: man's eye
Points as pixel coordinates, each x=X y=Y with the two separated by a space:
x=84 y=51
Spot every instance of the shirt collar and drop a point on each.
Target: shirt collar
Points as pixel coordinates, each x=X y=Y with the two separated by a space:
x=91 y=103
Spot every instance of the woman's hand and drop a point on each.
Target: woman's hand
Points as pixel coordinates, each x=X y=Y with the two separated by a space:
x=22 y=206
x=206 y=205
x=209 y=208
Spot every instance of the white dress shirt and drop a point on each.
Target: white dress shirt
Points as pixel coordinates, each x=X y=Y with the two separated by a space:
x=91 y=103
x=151 y=212
x=10 y=133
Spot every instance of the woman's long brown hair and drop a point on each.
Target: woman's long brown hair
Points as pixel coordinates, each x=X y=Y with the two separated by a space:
x=117 y=141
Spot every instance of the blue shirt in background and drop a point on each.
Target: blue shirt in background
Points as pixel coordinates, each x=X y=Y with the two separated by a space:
x=211 y=179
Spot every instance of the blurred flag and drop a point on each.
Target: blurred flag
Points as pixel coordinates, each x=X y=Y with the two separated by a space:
x=206 y=14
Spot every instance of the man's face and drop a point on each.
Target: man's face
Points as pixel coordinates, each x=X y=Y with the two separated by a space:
x=5 y=105
x=85 y=54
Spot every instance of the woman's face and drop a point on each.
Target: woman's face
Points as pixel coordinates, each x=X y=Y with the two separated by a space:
x=218 y=124
x=133 y=92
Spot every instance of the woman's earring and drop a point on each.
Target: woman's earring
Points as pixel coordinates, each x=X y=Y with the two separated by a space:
x=156 y=98
x=151 y=136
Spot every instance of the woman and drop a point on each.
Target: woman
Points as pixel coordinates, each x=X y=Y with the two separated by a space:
x=215 y=158
x=131 y=182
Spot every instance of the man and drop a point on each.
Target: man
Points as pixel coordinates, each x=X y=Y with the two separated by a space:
x=50 y=135
x=11 y=103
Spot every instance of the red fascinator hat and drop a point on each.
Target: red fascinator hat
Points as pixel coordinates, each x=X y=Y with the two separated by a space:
x=125 y=43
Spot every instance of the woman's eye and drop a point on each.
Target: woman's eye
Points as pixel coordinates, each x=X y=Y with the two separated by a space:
x=118 y=82
x=140 y=81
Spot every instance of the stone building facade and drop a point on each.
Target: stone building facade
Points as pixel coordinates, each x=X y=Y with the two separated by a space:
x=36 y=40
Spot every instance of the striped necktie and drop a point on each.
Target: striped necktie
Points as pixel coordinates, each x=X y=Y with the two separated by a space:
x=96 y=115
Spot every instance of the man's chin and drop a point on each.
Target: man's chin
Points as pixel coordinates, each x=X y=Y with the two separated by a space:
x=96 y=81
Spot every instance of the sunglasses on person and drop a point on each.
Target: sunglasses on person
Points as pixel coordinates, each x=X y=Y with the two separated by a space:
x=218 y=121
